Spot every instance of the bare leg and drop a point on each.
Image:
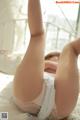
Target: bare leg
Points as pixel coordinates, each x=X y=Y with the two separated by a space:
x=29 y=75
x=67 y=79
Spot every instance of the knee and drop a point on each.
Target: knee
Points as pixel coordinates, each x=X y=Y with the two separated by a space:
x=76 y=45
x=70 y=49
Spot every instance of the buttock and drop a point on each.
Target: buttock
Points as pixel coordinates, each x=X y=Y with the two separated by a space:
x=44 y=104
x=32 y=107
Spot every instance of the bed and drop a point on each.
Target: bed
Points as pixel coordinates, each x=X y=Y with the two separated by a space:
x=7 y=105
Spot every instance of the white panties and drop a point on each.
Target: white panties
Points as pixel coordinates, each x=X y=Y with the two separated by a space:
x=44 y=104
x=48 y=104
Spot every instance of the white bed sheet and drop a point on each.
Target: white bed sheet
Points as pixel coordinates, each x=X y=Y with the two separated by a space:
x=7 y=105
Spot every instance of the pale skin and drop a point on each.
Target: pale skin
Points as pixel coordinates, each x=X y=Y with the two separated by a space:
x=28 y=80
x=51 y=63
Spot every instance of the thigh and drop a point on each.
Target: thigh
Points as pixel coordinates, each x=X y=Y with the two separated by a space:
x=28 y=80
x=67 y=82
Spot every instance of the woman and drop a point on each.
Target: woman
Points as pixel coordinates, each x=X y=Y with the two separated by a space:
x=42 y=93
x=51 y=62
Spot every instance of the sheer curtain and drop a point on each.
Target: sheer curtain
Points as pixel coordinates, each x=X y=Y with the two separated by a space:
x=12 y=33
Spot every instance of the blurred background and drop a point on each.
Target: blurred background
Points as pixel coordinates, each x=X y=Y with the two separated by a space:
x=61 y=22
